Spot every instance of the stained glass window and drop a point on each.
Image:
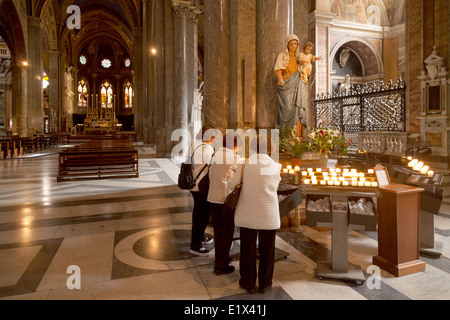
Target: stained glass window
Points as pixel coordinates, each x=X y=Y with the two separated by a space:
x=82 y=94
x=106 y=63
x=127 y=63
x=83 y=60
x=128 y=95
x=106 y=95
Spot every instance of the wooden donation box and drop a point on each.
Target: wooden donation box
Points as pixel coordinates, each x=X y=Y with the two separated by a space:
x=398 y=230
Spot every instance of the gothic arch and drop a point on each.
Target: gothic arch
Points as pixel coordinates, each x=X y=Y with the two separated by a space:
x=11 y=31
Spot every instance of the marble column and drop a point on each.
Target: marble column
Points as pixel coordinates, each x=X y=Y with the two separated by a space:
x=242 y=43
x=159 y=61
x=273 y=24
x=216 y=103
x=53 y=88
x=185 y=61
x=35 y=74
x=137 y=82
x=169 y=76
x=21 y=103
x=146 y=13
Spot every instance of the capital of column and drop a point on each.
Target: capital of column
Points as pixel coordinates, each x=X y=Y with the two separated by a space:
x=34 y=21
x=185 y=9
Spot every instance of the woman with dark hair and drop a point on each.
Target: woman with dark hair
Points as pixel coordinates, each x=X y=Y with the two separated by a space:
x=201 y=152
x=223 y=167
x=257 y=215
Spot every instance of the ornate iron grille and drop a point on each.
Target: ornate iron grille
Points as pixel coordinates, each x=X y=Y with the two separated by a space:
x=378 y=107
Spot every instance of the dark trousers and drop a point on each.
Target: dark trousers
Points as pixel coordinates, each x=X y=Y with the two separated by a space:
x=223 y=224
x=200 y=218
x=247 y=263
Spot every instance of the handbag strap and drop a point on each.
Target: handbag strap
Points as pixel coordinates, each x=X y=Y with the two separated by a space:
x=206 y=165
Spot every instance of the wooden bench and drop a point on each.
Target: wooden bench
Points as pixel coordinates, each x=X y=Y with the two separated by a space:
x=11 y=147
x=97 y=159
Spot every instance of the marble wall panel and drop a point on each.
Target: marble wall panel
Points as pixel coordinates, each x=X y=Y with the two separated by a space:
x=414 y=48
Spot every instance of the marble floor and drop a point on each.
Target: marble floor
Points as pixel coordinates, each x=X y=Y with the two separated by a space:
x=128 y=239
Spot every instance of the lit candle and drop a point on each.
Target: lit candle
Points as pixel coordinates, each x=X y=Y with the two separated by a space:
x=418 y=166
x=346 y=171
x=334 y=174
x=362 y=179
x=360 y=184
x=310 y=170
x=345 y=183
x=424 y=169
x=332 y=170
x=371 y=171
x=313 y=178
x=355 y=179
x=409 y=158
x=311 y=174
x=341 y=178
x=330 y=183
x=375 y=184
x=289 y=167
x=297 y=168
x=307 y=181
x=319 y=170
x=304 y=173
x=338 y=170
x=361 y=175
x=430 y=173
x=367 y=184
x=337 y=183
x=326 y=178
x=285 y=170
x=325 y=174
x=412 y=163
x=291 y=171
x=334 y=178
x=323 y=183
x=354 y=171
x=314 y=182
x=354 y=184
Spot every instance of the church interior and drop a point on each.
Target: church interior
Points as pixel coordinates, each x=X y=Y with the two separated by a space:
x=92 y=93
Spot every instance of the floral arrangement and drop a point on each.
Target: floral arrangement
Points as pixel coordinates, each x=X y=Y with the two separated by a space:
x=324 y=139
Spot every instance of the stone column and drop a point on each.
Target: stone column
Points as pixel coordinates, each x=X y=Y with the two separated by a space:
x=8 y=106
x=216 y=105
x=35 y=94
x=159 y=61
x=169 y=75
x=145 y=77
x=185 y=61
x=22 y=101
x=53 y=88
x=273 y=24
x=137 y=82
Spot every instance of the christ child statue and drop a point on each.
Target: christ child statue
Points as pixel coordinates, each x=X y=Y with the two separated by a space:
x=305 y=61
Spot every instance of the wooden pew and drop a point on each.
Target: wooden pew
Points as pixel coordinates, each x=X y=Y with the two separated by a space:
x=97 y=159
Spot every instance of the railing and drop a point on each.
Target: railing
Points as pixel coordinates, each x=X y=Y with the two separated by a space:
x=376 y=108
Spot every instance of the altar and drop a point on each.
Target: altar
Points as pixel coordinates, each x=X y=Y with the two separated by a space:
x=101 y=120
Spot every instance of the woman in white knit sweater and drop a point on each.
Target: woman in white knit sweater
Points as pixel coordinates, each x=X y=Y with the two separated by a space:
x=257 y=215
x=223 y=167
